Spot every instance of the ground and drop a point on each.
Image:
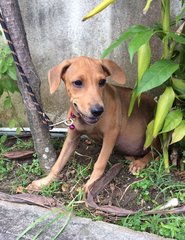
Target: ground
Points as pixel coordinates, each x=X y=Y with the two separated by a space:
x=151 y=188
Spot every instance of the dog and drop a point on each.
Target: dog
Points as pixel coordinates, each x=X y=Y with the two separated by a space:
x=100 y=110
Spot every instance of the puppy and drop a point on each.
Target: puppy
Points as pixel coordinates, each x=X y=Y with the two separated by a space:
x=100 y=110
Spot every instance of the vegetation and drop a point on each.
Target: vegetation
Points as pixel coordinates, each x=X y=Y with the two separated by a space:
x=153 y=187
x=167 y=72
x=8 y=83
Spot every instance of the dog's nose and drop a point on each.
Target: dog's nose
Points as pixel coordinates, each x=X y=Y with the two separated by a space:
x=97 y=110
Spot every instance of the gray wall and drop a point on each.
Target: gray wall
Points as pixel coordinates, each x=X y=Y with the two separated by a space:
x=55 y=32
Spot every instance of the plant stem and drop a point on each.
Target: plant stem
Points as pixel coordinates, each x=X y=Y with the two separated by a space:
x=182 y=58
x=165 y=152
x=165 y=4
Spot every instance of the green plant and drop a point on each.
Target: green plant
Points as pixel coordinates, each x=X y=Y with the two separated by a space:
x=171 y=226
x=25 y=172
x=52 y=189
x=6 y=167
x=8 y=83
x=162 y=184
x=169 y=72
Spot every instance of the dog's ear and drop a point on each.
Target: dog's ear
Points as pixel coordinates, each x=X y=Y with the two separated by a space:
x=113 y=70
x=56 y=74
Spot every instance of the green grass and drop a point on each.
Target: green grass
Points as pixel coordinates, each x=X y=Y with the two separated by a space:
x=162 y=183
x=21 y=172
x=171 y=226
x=25 y=171
x=165 y=188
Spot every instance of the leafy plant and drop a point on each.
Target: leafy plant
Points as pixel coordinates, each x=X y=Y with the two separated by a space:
x=162 y=184
x=25 y=172
x=171 y=226
x=50 y=190
x=169 y=72
x=8 y=83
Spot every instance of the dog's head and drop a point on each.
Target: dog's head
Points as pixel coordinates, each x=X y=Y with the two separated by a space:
x=85 y=80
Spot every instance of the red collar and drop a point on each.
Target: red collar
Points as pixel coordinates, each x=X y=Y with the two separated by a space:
x=72 y=117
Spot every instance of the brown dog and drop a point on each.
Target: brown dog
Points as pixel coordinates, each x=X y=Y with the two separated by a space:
x=101 y=111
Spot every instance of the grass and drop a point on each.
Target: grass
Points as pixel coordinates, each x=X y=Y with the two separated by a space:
x=153 y=184
x=171 y=226
x=164 y=188
x=162 y=184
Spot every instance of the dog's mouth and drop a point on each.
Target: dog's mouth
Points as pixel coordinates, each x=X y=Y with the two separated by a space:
x=89 y=120
x=85 y=118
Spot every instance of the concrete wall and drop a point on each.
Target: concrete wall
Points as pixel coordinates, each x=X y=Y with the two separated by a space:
x=55 y=32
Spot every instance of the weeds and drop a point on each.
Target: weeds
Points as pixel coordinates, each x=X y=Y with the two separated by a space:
x=171 y=226
x=157 y=186
x=26 y=172
x=162 y=184
x=52 y=189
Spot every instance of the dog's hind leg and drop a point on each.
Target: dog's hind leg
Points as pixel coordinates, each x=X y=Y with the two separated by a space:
x=137 y=165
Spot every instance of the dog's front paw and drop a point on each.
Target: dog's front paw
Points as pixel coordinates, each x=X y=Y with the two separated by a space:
x=87 y=187
x=136 y=166
x=37 y=185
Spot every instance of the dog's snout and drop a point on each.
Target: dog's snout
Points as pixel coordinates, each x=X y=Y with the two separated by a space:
x=97 y=110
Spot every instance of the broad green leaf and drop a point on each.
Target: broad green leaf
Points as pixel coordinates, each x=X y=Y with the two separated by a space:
x=137 y=41
x=144 y=57
x=12 y=72
x=164 y=105
x=178 y=38
x=98 y=8
x=4 y=68
x=9 y=84
x=132 y=102
x=172 y=120
x=179 y=86
x=9 y=60
x=178 y=133
x=157 y=74
x=129 y=33
x=149 y=134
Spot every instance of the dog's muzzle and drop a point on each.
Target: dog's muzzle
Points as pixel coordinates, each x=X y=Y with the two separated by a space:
x=96 y=111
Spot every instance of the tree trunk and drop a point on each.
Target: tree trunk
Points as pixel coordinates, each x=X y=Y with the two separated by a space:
x=41 y=137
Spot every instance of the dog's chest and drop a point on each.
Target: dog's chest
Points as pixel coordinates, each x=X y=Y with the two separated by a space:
x=92 y=131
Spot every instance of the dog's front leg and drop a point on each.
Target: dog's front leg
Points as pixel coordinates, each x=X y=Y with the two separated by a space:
x=68 y=148
x=109 y=141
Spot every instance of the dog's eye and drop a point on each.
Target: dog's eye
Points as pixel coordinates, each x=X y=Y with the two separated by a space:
x=77 y=83
x=102 y=82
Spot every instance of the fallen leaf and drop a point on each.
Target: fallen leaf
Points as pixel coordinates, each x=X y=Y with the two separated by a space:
x=19 y=154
